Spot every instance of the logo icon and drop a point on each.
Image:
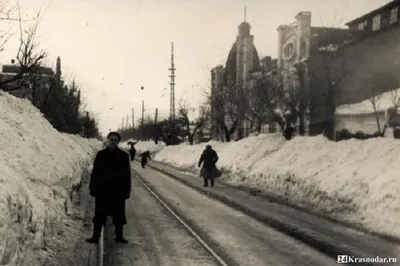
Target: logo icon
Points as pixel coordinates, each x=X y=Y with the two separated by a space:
x=342 y=258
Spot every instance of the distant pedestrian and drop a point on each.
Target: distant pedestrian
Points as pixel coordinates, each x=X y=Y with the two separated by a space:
x=132 y=150
x=144 y=156
x=208 y=158
x=110 y=184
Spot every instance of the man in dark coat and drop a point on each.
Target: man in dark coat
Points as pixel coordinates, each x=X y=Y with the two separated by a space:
x=132 y=150
x=144 y=156
x=110 y=184
x=209 y=158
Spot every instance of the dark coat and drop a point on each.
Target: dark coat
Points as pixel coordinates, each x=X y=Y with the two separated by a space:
x=132 y=153
x=145 y=155
x=209 y=158
x=110 y=183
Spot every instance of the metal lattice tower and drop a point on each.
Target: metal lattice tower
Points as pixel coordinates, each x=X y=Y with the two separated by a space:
x=172 y=89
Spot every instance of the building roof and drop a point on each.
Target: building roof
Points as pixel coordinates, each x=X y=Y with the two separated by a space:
x=374 y=12
x=230 y=67
x=15 y=69
x=323 y=36
x=244 y=25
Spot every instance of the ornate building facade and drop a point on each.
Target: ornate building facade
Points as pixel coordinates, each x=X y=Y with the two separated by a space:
x=242 y=62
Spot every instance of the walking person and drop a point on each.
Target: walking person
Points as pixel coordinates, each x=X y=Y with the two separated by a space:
x=132 y=150
x=144 y=156
x=110 y=184
x=208 y=158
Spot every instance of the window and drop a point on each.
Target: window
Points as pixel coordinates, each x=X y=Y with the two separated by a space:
x=362 y=25
x=376 y=22
x=394 y=15
x=288 y=50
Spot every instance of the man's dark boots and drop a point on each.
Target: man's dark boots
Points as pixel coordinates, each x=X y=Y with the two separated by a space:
x=119 y=234
x=96 y=234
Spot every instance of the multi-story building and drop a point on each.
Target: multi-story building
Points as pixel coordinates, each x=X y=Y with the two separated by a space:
x=377 y=20
x=242 y=62
x=302 y=46
x=342 y=66
x=217 y=83
x=371 y=65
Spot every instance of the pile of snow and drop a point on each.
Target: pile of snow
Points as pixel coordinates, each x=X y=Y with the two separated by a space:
x=39 y=166
x=382 y=101
x=358 y=180
x=142 y=146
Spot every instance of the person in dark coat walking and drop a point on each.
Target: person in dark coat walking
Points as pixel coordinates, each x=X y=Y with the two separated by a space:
x=110 y=184
x=144 y=156
x=209 y=158
x=132 y=150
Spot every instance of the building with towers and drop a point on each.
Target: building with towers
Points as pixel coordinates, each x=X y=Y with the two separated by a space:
x=242 y=62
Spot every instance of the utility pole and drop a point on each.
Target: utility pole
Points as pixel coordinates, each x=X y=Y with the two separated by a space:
x=155 y=118
x=172 y=90
x=133 y=118
x=142 y=113
x=87 y=125
x=122 y=125
x=127 y=122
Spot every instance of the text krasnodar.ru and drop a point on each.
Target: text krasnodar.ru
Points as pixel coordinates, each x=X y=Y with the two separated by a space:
x=377 y=259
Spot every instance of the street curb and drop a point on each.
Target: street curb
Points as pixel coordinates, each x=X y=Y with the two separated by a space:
x=323 y=246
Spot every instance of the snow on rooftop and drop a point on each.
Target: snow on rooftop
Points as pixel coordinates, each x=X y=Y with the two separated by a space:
x=38 y=167
x=383 y=102
x=355 y=180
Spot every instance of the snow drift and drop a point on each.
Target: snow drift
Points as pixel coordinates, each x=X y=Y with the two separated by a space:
x=356 y=181
x=142 y=146
x=39 y=166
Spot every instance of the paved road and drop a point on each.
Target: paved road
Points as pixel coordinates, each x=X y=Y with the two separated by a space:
x=155 y=238
x=237 y=237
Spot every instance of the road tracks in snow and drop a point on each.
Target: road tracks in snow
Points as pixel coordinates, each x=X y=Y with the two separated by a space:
x=213 y=253
x=230 y=237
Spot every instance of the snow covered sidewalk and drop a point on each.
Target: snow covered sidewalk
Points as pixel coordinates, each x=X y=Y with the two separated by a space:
x=41 y=171
x=354 y=181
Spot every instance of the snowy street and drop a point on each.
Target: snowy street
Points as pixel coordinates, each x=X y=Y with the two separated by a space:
x=237 y=238
x=313 y=229
x=155 y=237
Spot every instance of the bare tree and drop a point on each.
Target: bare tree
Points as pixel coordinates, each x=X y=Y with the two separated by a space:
x=229 y=106
x=28 y=57
x=375 y=101
x=266 y=97
x=192 y=125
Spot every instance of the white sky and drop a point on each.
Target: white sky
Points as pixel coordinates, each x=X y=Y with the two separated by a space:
x=127 y=42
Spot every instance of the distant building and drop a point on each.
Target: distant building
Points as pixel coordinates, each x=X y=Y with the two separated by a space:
x=42 y=78
x=379 y=19
x=268 y=64
x=242 y=62
x=347 y=65
x=217 y=83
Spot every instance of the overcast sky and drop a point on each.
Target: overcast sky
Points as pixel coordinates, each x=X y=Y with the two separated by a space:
x=113 y=47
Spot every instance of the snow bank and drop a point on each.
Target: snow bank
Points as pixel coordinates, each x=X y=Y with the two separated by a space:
x=39 y=166
x=142 y=146
x=383 y=102
x=356 y=180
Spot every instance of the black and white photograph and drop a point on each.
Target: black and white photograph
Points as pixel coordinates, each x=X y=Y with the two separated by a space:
x=199 y=132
